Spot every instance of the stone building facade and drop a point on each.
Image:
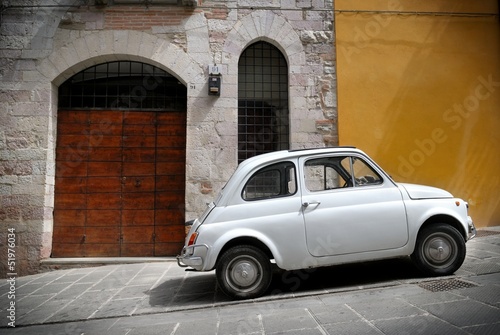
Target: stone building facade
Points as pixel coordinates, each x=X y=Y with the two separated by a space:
x=47 y=44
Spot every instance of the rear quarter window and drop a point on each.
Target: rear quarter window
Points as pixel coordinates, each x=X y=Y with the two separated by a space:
x=277 y=180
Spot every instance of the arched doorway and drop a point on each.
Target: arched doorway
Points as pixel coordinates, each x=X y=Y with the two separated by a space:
x=120 y=163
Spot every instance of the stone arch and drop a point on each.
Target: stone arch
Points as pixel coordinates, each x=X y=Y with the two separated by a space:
x=267 y=26
x=106 y=46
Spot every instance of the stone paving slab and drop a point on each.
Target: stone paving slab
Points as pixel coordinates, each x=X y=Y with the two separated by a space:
x=162 y=298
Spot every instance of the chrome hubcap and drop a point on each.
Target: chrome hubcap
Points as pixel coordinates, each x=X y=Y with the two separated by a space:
x=244 y=273
x=439 y=250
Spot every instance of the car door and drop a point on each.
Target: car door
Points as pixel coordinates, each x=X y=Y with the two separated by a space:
x=349 y=206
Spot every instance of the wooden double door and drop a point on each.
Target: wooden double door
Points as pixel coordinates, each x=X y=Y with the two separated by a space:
x=120 y=183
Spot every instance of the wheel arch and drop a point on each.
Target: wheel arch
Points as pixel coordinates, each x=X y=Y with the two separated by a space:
x=446 y=219
x=245 y=240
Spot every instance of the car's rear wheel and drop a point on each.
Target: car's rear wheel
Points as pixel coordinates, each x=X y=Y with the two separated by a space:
x=244 y=272
x=440 y=250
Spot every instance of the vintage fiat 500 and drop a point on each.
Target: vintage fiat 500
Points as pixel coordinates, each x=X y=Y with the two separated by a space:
x=321 y=207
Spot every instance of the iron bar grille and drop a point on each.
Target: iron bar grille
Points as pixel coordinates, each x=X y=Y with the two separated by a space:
x=123 y=85
x=263 y=115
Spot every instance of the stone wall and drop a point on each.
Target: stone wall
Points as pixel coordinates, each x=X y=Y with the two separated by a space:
x=42 y=46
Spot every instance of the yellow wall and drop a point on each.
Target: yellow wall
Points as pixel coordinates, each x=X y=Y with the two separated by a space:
x=419 y=90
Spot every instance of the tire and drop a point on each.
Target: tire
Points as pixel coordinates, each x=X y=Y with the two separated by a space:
x=243 y=272
x=439 y=251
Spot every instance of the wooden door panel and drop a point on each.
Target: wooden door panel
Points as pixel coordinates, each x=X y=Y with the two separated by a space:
x=106 y=118
x=74 y=129
x=165 y=217
x=135 y=217
x=108 y=141
x=139 y=141
x=171 y=130
x=170 y=183
x=168 y=168
x=60 y=249
x=104 y=169
x=94 y=235
x=78 y=142
x=109 y=217
x=137 y=118
x=169 y=233
x=81 y=117
x=139 y=129
x=171 y=118
x=71 y=156
x=104 y=185
x=96 y=130
x=100 y=154
x=70 y=201
x=120 y=184
x=69 y=218
x=169 y=200
x=138 y=169
x=142 y=234
x=142 y=155
x=102 y=250
x=104 y=201
x=70 y=185
x=71 y=169
x=69 y=234
x=138 y=201
x=171 y=142
x=138 y=184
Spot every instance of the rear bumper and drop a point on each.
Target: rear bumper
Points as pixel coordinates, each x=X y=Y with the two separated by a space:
x=193 y=256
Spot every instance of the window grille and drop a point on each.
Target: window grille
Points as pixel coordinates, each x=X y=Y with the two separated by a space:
x=123 y=85
x=263 y=124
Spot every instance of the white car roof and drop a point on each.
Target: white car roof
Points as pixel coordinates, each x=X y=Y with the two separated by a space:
x=284 y=154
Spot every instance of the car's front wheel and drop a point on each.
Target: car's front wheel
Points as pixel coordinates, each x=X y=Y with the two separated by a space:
x=439 y=251
x=244 y=272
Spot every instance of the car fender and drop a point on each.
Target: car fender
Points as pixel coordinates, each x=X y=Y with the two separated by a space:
x=421 y=211
x=242 y=233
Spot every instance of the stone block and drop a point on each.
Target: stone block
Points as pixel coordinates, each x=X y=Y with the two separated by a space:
x=259 y=3
x=288 y=4
x=16 y=168
x=5 y=189
x=303 y=3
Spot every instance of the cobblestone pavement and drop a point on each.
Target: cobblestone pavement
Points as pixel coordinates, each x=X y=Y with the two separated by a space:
x=385 y=297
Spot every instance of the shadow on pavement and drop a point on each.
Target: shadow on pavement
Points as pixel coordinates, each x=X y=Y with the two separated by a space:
x=201 y=288
x=344 y=276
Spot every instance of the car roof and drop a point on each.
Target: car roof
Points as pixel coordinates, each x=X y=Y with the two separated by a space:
x=284 y=154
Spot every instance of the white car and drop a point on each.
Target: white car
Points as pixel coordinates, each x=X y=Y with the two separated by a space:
x=321 y=207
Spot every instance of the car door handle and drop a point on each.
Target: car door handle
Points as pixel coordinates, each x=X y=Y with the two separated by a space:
x=309 y=203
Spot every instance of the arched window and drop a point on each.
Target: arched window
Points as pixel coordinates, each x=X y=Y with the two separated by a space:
x=123 y=85
x=263 y=124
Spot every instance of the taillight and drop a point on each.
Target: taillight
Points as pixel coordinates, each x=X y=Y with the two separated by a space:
x=192 y=238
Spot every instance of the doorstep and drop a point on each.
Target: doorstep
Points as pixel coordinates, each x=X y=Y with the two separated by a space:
x=50 y=264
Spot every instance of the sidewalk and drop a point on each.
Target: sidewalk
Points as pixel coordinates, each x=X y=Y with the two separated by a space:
x=387 y=297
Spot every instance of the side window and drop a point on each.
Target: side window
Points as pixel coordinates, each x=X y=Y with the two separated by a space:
x=276 y=180
x=327 y=173
x=364 y=174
